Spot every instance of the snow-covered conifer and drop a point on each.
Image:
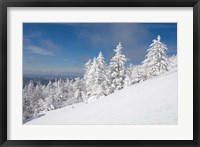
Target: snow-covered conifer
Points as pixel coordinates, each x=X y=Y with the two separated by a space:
x=173 y=61
x=128 y=76
x=89 y=78
x=117 y=69
x=101 y=76
x=39 y=99
x=78 y=90
x=28 y=107
x=156 y=61
x=87 y=68
x=96 y=81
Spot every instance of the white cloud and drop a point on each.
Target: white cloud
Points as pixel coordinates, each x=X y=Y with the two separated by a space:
x=50 y=45
x=39 y=50
x=33 y=35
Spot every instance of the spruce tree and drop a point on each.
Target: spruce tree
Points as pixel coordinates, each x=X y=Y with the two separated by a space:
x=156 y=61
x=117 y=69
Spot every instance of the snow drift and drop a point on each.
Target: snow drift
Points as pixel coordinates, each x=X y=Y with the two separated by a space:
x=153 y=101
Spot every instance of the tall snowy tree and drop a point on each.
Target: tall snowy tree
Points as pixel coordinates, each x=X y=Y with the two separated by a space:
x=117 y=69
x=156 y=61
x=89 y=79
x=96 y=78
x=101 y=76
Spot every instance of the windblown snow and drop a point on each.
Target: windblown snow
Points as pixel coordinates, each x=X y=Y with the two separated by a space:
x=153 y=101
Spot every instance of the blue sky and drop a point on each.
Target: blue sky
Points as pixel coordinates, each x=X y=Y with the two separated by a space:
x=65 y=47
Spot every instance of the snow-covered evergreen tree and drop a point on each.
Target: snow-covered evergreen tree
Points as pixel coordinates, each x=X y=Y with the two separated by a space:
x=78 y=93
x=38 y=99
x=33 y=100
x=28 y=107
x=101 y=76
x=87 y=68
x=173 y=61
x=89 y=78
x=96 y=80
x=136 y=73
x=117 y=69
x=156 y=61
x=129 y=76
x=49 y=94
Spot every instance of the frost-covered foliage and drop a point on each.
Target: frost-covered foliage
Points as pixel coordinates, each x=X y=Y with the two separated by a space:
x=156 y=61
x=173 y=60
x=117 y=69
x=134 y=74
x=96 y=81
x=41 y=98
x=99 y=80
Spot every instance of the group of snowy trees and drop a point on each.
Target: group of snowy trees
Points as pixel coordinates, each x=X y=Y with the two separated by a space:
x=99 y=80
x=54 y=95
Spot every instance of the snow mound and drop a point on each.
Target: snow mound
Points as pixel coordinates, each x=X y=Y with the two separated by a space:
x=151 y=102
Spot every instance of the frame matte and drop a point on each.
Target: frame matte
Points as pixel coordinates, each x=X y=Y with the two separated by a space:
x=99 y=3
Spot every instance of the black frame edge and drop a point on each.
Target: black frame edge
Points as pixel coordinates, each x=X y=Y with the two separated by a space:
x=100 y=3
x=35 y=3
x=3 y=84
x=196 y=80
x=1 y=61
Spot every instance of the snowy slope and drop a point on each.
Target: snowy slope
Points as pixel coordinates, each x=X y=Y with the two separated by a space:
x=151 y=102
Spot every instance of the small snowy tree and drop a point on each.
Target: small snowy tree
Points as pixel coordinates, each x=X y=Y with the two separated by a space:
x=129 y=76
x=39 y=99
x=156 y=61
x=87 y=68
x=135 y=73
x=28 y=107
x=49 y=94
x=173 y=61
x=33 y=100
x=77 y=91
x=59 y=96
x=117 y=70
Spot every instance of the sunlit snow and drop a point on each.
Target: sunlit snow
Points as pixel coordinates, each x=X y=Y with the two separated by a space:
x=153 y=101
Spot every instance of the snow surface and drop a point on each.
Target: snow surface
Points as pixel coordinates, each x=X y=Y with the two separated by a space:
x=151 y=102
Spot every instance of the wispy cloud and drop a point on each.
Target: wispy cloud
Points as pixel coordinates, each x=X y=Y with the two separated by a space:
x=131 y=36
x=66 y=59
x=127 y=33
x=50 y=45
x=31 y=59
x=36 y=43
x=33 y=35
x=39 y=50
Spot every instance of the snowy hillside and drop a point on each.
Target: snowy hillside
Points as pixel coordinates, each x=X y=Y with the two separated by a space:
x=151 y=102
